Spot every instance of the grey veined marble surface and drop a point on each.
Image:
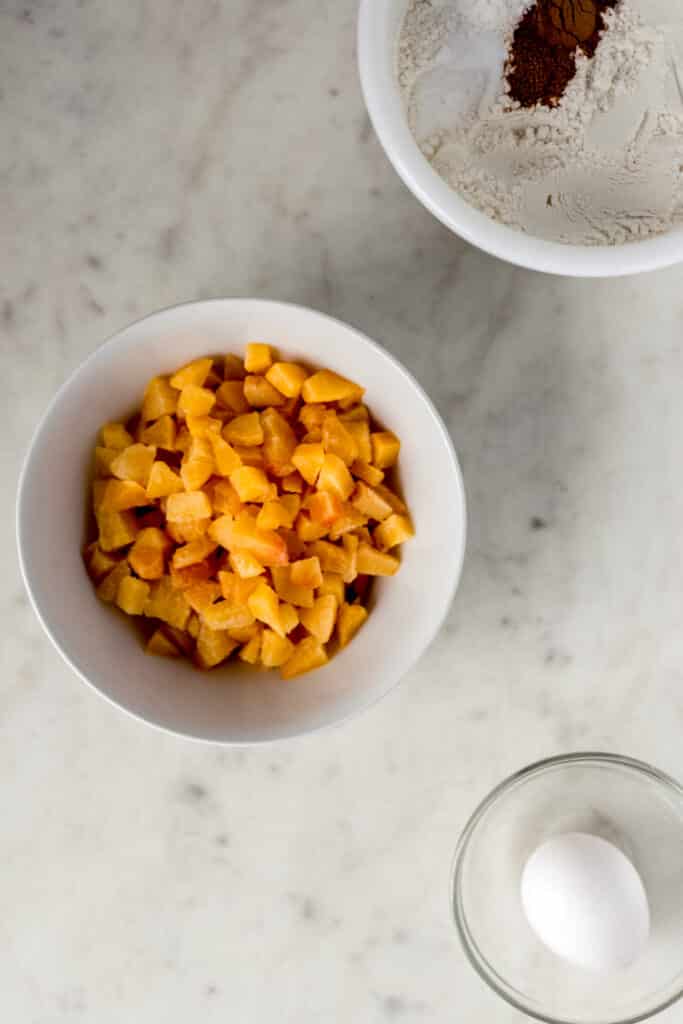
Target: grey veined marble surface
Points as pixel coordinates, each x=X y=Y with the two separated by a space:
x=158 y=151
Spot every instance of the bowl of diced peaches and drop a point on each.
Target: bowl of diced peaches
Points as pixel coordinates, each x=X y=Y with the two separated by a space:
x=241 y=520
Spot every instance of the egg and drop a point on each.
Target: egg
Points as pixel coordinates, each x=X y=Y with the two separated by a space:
x=586 y=902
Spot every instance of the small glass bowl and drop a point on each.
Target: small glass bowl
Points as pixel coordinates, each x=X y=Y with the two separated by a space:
x=633 y=806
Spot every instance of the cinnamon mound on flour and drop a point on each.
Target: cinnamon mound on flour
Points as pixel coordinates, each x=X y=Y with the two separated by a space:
x=542 y=54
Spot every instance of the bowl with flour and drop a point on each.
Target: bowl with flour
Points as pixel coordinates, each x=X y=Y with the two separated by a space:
x=547 y=132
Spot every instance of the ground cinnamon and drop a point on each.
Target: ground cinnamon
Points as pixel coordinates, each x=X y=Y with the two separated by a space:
x=542 y=55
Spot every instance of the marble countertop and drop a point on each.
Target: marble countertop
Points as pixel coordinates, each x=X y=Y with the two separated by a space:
x=155 y=152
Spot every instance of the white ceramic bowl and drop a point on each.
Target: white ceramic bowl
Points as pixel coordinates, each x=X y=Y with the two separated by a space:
x=378 y=29
x=235 y=704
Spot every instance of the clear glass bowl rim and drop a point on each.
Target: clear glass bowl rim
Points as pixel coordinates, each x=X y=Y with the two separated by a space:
x=472 y=951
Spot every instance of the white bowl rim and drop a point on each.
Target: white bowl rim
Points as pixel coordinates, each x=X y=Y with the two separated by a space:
x=110 y=342
x=455 y=213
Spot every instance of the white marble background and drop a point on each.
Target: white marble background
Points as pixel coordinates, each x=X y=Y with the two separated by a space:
x=155 y=151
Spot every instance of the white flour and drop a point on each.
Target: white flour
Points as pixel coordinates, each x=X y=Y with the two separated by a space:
x=603 y=167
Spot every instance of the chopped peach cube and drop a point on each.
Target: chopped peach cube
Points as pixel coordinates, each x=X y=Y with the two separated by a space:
x=224 y=615
x=190 y=554
x=275 y=650
x=292 y=593
x=266 y=545
x=264 y=605
x=245 y=565
x=385 y=449
x=224 y=498
x=231 y=395
x=307 y=530
x=183 y=533
x=115 y=435
x=394 y=530
x=334 y=476
x=360 y=431
x=320 y=619
x=166 y=603
x=279 y=443
x=259 y=393
x=376 y=563
x=337 y=439
x=292 y=484
x=198 y=464
x=203 y=426
x=134 y=463
x=332 y=583
x=306 y=572
x=195 y=401
x=225 y=457
x=258 y=358
x=323 y=507
x=109 y=586
x=369 y=474
x=213 y=646
x=162 y=481
x=233 y=367
x=289 y=617
x=351 y=544
x=308 y=654
x=192 y=375
x=148 y=554
x=288 y=378
x=161 y=434
x=326 y=386
x=252 y=649
x=244 y=430
x=392 y=499
x=275 y=513
x=103 y=460
x=349 y=520
x=183 y=508
x=369 y=503
x=98 y=561
x=351 y=618
x=132 y=595
x=309 y=459
x=118 y=495
x=160 y=645
x=203 y=594
x=160 y=400
x=332 y=558
x=250 y=483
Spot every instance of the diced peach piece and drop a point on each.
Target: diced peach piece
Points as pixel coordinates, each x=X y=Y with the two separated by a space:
x=201 y=595
x=376 y=563
x=192 y=375
x=160 y=400
x=245 y=565
x=198 y=464
x=289 y=617
x=195 y=401
x=118 y=495
x=338 y=440
x=351 y=618
x=163 y=481
x=227 y=584
x=309 y=459
x=183 y=440
x=193 y=625
x=231 y=396
x=244 y=430
x=132 y=595
x=161 y=434
x=332 y=557
x=288 y=591
x=257 y=357
x=360 y=432
x=266 y=545
x=275 y=650
x=306 y=572
x=224 y=615
x=183 y=533
x=259 y=393
x=243 y=589
x=99 y=563
x=184 y=508
x=134 y=463
x=312 y=417
x=160 y=645
x=349 y=520
x=368 y=502
x=180 y=637
x=109 y=586
x=250 y=483
x=233 y=367
x=385 y=449
x=251 y=456
x=307 y=530
x=116 y=529
x=103 y=460
x=323 y=507
x=195 y=551
x=288 y=378
x=292 y=484
x=189 y=575
x=243 y=634
x=334 y=476
x=355 y=414
x=351 y=544
x=308 y=654
x=213 y=646
x=148 y=554
x=224 y=498
x=252 y=650
x=394 y=530
x=332 y=584
x=264 y=606
x=296 y=548
x=326 y=386
x=369 y=474
x=277 y=513
x=115 y=435
x=225 y=457
x=392 y=499
x=203 y=426
x=320 y=619
x=166 y=603
x=279 y=443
